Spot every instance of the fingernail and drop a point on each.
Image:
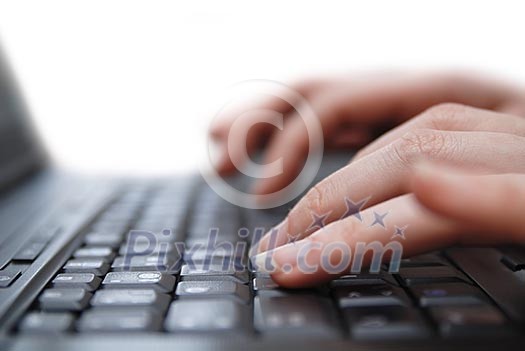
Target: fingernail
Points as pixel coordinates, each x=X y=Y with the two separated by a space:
x=264 y=262
x=254 y=249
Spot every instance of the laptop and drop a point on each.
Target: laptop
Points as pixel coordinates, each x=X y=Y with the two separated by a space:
x=125 y=264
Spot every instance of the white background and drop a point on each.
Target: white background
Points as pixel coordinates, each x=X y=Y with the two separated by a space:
x=129 y=86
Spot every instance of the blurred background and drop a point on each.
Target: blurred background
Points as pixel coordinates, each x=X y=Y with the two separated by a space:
x=130 y=86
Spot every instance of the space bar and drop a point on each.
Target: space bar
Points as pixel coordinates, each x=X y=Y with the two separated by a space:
x=505 y=287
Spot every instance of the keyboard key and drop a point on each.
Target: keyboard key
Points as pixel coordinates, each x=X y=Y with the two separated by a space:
x=159 y=281
x=263 y=282
x=207 y=316
x=514 y=258
x=161 y=234
x=64 y=299
x=214 y=272
x=8 y=275
x=505 y=287
x=143 y=249
x=364 y=279
x=196 y=289
x=470 y=321
x=96 y=266
x=385 y=322
x=131 y=298
x=29 y=251
x=132 y=320
x=447 y=294
x=370 y=295
x=425 y=260
x=46 y=322
x=118 y=226
x=220 y=256
x=103 y=239
x=292 y=315
x=429 y=275
x=86 y=281
x=103 y=252
x=146 y=263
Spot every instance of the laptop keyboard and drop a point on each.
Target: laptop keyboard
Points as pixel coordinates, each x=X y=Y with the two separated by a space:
x=122 y=280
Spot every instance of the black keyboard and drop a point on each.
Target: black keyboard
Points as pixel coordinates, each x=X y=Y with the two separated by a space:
x=118 y=281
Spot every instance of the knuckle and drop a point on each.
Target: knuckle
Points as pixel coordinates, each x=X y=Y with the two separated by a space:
x=424 y=143
x=314 y=199
x=443 y=115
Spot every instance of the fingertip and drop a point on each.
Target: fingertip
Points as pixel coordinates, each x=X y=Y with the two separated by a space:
x=439 y=188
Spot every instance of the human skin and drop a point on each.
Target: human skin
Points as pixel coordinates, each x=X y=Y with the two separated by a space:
x=451 y=168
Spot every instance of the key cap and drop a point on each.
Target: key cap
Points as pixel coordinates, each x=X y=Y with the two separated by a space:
x=111 y=226
x=304 y=316
x=207 y=315
x=86 y=281
x=385 y=322
x=425 y=260
x=103 y=252
x=159 y=281
x=103 y=320
x=428 y=275
x=8 y=275
x=484 y=267
x=370 y=295
x=364 y=279
x=131 y=298
x=514 y=258
x=162 y=234
x=29 y=251
x=447 y=294
x=214 y=272
x=96 y=266
x=146 y=263
x=196 y=289
x=220 y=256
x=144 y=249
x=46 y=322
x=263 y=282
x=64 y=299
x=103 y=239
x=470 y=321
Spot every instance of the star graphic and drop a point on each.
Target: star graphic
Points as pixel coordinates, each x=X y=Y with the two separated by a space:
x=354 y=208
x=318 y=221
x=379 y=219
x=292 y=238
x=400 y=231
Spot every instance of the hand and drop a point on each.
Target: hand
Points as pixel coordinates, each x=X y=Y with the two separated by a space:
x=353 y=111
x=480 y=200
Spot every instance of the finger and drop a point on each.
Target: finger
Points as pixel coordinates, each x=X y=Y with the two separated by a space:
x=359 y=103
x=516 y=107
x=487 y=203
x=451 y=117
x=405 y=229
x=251 y=113
x=350 y=137
x=378 y=100
x=259 y=132
x=292 y=145
x=382 y=175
